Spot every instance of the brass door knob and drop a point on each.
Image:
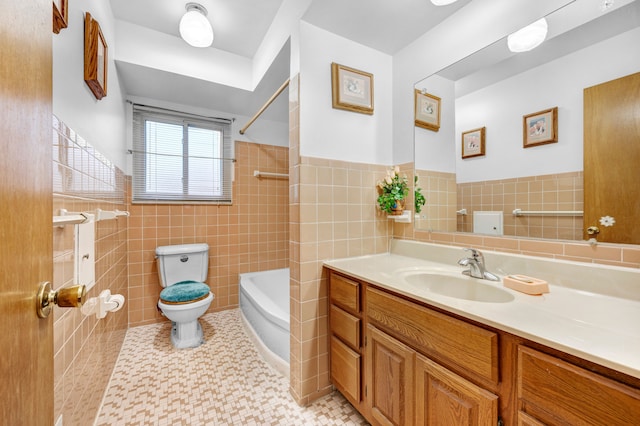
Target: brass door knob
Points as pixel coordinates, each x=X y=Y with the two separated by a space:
x=68 y=297
x=593 y=230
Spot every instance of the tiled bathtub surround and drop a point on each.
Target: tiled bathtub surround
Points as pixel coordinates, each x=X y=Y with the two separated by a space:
x=250 y=235
x=563 y=191
x=86 y=349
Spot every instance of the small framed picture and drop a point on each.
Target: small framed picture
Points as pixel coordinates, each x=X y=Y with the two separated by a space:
x=60 y=15
x=540 y=128
x=352 y=89
x=427 y=110
x=95 y=57
x=473 y=143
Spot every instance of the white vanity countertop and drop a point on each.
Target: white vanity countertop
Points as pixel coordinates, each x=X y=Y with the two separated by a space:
x=600 y=328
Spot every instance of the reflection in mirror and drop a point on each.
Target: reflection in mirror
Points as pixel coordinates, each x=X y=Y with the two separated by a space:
x=495 y=89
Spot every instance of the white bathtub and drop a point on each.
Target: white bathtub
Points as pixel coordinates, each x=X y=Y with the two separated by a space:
x=264 y=304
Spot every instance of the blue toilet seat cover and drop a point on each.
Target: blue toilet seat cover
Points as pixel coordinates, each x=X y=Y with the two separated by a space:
x=184 y=292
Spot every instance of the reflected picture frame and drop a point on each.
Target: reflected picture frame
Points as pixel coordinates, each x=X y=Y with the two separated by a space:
x=473 y=143
x=95 y=57
x=352 y=89
x=60 y=15
x=426 y=110
x=540 y=128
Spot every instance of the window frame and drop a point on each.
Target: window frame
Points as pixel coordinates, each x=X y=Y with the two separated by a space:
x=140 y=195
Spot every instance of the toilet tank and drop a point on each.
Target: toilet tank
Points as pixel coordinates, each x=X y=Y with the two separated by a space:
x=182 y=262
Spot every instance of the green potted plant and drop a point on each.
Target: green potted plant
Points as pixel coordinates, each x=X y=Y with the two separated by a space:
x=393 y=190
x=418 y=197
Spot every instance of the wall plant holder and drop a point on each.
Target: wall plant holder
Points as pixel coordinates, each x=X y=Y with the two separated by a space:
x=95 y=57
x=60 y=15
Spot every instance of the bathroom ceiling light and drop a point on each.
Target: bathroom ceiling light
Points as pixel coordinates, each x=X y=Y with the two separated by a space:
x=528 y=37
x=195 y=28
x=442 y=2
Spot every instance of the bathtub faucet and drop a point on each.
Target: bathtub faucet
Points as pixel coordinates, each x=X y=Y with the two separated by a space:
x=475 y=262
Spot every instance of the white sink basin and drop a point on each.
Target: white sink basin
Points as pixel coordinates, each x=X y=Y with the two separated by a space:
x=458 y=287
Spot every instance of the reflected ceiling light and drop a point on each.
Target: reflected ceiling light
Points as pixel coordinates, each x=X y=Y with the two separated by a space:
x=528 y=37
x=442 y=2
x=195 y=28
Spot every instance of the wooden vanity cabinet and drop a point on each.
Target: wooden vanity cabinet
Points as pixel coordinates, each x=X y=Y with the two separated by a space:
x=401 y=362
x=345 y=345
x=406 y=383
x=556 y=392
x=387 y=379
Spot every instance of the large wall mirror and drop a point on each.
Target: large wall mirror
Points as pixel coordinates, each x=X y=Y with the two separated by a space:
x=509 y=158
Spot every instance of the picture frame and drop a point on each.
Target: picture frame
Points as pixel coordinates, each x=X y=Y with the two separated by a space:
x=352 y=89
x=473 y=143
x=95 y=57
x=60 y=15
x=540 y=128
x=426 y=110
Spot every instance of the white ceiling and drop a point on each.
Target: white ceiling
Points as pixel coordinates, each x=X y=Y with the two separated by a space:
x=239 y=27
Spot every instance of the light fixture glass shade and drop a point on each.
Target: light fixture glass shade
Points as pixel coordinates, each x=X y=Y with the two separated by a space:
x=195 y=28
x=442 y=2
x=528 y=37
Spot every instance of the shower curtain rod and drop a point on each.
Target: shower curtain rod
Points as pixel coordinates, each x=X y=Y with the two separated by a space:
x=265 y=106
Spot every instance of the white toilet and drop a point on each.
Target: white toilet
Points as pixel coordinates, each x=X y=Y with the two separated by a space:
x=183 y=269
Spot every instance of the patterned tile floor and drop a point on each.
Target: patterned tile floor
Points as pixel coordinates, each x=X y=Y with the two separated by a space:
x=222 y=382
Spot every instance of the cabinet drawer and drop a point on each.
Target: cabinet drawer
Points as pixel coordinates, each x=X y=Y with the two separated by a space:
x=457 y=343
x=345 y=326
x=345 y=370
x=345 y=293
x=555 y=391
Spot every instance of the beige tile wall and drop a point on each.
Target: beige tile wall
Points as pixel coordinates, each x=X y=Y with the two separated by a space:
x=439 y=211
x=625 y=255
x=250 y=235
x=553 y=192
x=86 y=349
x=333 y=214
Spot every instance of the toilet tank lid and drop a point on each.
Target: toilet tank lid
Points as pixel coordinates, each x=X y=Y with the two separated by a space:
x=181 y=249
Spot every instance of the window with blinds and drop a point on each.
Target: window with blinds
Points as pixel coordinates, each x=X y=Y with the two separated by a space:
x=180 y=158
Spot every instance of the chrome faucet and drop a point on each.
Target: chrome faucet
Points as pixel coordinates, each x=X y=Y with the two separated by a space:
x=475 y=262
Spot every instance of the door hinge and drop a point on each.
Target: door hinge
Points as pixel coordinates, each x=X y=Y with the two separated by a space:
x=500 y=422
x=365 y=391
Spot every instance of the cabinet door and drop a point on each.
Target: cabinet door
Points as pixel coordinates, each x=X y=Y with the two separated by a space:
x=390 y=368
x=444 y=398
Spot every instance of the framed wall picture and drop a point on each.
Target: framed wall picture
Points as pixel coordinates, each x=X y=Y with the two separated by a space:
x=60 y=15
x=540 y=128
x=95 y=57
x=473 y=142
x=352 y=89
x=427 y=110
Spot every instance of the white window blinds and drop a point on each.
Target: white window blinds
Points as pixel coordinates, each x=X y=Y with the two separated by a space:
x=180 y=158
